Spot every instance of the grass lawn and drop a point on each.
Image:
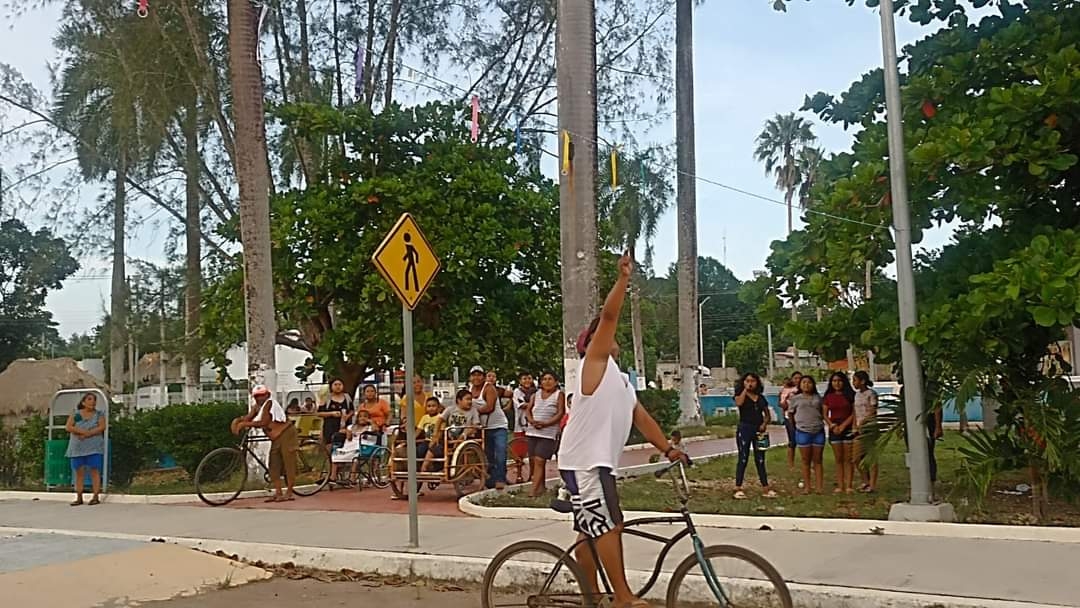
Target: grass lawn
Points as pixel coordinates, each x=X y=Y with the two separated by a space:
x=713 y=484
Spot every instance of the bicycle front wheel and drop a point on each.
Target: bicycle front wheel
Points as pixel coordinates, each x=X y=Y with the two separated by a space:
x=534 y=574
x=743 y=579
x=220 y=476
x=312 y=467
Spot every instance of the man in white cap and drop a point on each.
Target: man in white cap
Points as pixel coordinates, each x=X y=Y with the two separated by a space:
x=269 y=416
x=496 y=426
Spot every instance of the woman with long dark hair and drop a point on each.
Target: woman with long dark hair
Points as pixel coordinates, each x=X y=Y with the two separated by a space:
x=86 y=447
x=754 y=418
x=839 y=403
x=338 y=407
x=866 y=405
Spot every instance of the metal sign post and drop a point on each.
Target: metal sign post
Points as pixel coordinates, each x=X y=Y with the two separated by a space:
x=407 y=261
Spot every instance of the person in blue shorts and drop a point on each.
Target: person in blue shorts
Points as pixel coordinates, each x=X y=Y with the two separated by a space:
x=86 y=447
x=807 y=411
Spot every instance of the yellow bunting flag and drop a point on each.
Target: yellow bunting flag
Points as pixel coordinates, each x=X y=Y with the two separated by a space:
x=566 y=152
x=614 y=169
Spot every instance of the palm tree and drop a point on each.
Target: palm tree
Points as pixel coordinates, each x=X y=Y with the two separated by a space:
x=779 y=147
x=808 y=164
x=111 y=109
x=253 y=175
x=630 y=212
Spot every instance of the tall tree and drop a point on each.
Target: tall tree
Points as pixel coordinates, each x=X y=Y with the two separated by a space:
x=630 y=210
x=253 y=173
x=779 y=147
x=115 y=113
x=31 y=265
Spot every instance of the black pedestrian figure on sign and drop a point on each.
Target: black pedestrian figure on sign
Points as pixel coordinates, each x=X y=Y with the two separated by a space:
x=412 y=258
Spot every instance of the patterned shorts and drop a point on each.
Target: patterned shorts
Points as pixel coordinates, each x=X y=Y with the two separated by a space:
x=595 y=500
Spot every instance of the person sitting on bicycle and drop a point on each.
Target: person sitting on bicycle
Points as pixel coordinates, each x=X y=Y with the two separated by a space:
x=268 y=415
x=605 y=409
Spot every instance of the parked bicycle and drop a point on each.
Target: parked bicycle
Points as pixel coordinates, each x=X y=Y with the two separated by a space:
x=224 y=473
x=538 y=574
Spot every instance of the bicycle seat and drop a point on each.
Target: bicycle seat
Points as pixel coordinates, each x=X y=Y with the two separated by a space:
x=561 y=506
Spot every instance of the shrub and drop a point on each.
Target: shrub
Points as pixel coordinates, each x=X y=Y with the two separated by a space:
x=663 y=406
x=187 y=432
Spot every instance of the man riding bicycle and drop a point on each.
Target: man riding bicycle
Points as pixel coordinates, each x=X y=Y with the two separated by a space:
x=604 y=410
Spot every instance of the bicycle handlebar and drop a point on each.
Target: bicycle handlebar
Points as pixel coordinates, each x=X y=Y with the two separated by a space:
x=664 y=471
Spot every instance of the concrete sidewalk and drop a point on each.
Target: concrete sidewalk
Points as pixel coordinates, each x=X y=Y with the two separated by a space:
x=1021 y=573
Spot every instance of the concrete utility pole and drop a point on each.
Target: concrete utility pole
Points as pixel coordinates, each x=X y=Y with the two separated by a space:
x=576 y=71
x=919 y=509
x=162 y=363
x=686 y=203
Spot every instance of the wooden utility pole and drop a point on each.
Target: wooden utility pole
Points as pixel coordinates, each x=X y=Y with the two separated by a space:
x=576 y=70
x=687 y=211
x=253 y=174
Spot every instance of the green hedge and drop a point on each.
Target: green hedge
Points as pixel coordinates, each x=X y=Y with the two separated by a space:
x=187 y=432
x=663 y=406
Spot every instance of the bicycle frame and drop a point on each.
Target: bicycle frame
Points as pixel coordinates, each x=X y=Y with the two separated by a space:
x=689 y=529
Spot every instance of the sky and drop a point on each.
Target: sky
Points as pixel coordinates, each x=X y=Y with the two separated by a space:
x=750 y=64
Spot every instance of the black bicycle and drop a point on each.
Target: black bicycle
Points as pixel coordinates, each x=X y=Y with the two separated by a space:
x=538 y=574
x=224 y=473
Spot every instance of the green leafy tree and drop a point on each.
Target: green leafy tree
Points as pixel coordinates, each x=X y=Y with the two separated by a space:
x=748 y=353
x=31 y=264
x=992 y=148
x=493 y=225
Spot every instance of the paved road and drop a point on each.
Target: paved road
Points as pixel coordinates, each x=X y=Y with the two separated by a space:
x=993 y=569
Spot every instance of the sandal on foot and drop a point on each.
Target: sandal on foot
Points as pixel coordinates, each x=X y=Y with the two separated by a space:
x=94 y=501
x=273 y=499
x=740 y=495
x=78 y=501
x=770 y=494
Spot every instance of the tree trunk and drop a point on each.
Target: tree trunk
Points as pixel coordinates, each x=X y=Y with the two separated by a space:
x=369 y=50
x=1038 y=492
x=253 y=175
x=118 y=295
x=337 y=55
x=193 y=256
x=391 y=46
x=686 y=204
x=576 y=76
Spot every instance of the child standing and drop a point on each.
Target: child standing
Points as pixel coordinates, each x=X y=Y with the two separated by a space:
x=866 y=405
x=809 y=415
x=839 y=402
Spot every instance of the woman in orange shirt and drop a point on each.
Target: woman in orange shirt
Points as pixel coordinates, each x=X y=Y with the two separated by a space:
x=376 y=407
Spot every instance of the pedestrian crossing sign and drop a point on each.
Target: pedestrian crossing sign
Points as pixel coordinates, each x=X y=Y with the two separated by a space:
x=407 y=261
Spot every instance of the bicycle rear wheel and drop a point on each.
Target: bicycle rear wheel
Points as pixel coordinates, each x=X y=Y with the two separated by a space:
x=745 y=580
x=534 y=574
x=220 y=476
x=312 y=467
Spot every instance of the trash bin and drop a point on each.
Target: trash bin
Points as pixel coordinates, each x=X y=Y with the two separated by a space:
x=58 y=466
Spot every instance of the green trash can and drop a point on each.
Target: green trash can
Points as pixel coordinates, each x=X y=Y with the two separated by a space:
x=57 y=465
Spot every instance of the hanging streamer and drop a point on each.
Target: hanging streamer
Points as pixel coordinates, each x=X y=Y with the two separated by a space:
x=517 y=132
x=641 y=166
x=614 y=169
x=358 y=87
x=565 y=152
x=144 y=9
x=263 y=12
x=475 y=130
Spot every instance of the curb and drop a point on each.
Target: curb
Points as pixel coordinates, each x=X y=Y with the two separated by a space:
x=460 y=569
x=633 y=447
x=127 y=499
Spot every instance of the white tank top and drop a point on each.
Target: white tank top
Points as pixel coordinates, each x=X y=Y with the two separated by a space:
x=545 y=409
x=497 y=418
x=599 y=424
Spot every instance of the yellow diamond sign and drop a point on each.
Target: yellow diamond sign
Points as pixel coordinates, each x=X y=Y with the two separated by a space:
x=407 y=261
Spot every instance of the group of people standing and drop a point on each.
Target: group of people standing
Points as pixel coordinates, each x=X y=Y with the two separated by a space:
x=811 y=419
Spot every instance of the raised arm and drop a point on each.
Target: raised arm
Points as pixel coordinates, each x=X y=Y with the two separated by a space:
x=603 y=339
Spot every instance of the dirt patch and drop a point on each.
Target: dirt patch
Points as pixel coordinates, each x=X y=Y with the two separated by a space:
x=282 y=591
